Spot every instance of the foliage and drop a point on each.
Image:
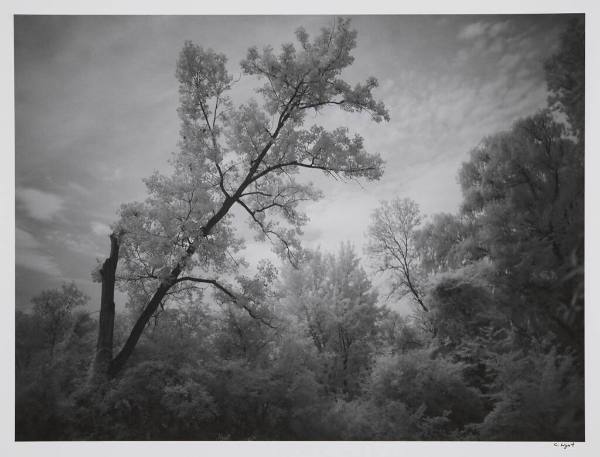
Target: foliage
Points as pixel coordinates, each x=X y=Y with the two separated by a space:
x=29 y=341
x=463 y=303
x=431 y=388
x=398 y=334
x=524 y=190
x=447 y=242
x=332 y=299
x=540 y=397
x=53 y=354
x=565 y=76
x=53 y=310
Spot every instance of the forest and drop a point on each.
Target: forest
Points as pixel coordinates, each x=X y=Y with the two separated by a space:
x=307 y=349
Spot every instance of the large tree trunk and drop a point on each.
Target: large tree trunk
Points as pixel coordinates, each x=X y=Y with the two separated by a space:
x=104 y=365
x=104 y=346
x=109 y=366
x=119 y=361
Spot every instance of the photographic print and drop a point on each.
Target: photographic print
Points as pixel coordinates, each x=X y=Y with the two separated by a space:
x=299 y=228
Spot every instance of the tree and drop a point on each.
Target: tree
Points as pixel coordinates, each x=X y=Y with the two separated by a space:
x=182 y=234
x=524 y=191
x=332 y=298
x=53 y=346
x=53 y=310
x=565 y=76
x=242 y=335
x=447 y=242
x=392 y=245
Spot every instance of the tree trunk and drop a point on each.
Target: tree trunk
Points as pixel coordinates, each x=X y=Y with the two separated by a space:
x=109 y=366
x=104 y=346
x=104 y=364
x=118 y=362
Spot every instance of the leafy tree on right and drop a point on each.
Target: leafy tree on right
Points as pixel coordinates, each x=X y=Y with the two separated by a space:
x=504 y=277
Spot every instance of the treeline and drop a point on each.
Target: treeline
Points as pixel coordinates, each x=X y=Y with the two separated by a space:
x=493 y=351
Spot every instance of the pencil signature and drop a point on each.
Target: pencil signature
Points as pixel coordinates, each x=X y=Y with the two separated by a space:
x=564 y=445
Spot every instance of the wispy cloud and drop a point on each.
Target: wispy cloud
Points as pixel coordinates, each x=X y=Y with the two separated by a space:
x=29 y=253
x=481 y=29
x=99 y=228
x=497 y=28
x=40 y=205
x=473 y=30
x=73 y=186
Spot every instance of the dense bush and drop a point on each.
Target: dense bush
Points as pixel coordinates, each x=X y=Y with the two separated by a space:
x=539 y=397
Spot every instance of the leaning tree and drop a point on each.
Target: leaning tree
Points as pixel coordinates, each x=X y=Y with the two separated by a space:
x=247 y=157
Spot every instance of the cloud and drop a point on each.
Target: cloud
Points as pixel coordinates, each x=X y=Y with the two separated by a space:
x=70 y=241
x=482 y=29
x=29 y=254
x=343 y=216
x=497 y=28
x=473 y=30
x=100 y=229
x=509 y=62
x=72 y=185
x=40 y=205
x=114 y=174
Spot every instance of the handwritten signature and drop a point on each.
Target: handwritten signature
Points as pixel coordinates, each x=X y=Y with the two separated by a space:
x=564 y=445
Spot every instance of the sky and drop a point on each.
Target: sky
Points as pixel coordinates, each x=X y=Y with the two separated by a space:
x=95 y=113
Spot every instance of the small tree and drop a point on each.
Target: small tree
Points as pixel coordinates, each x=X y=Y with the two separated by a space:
x=392 y=245
x=246 y=157
x=53 y=310
x=334 y=302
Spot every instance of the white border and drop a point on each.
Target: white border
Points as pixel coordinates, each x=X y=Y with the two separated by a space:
x=264 y=449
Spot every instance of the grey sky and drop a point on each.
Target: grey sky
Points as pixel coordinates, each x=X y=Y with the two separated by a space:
x=96 y=99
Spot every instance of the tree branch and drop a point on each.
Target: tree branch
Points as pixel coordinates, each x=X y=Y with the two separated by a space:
x=230 y=294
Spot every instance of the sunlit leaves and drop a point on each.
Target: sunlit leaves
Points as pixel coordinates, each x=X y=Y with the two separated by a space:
x=202 y=76
x=310 y=77
x=332 y=299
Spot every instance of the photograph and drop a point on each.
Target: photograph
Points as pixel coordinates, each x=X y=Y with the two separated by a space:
x=275 y=228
